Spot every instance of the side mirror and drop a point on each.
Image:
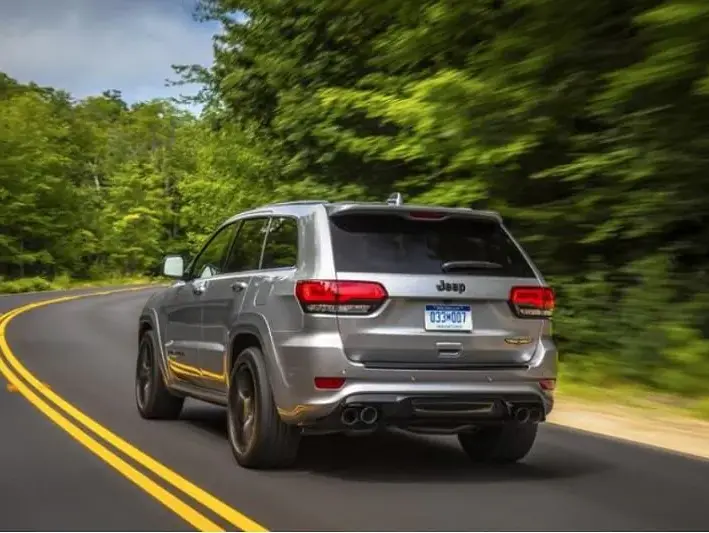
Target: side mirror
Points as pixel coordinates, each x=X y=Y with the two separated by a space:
x=173 y=266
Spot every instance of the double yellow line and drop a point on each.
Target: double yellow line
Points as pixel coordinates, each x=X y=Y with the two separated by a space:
x=71 y=420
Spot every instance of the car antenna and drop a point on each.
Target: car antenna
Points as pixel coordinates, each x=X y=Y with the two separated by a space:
x=395 y=199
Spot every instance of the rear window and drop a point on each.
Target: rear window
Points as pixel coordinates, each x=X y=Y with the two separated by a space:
x=281 y=249
x=392 y=244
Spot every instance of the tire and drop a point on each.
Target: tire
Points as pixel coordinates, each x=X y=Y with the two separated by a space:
x=506 y=443
x=258 y=438
x=153 y=399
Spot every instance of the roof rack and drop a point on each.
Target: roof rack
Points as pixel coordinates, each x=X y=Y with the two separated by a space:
x=395 y=199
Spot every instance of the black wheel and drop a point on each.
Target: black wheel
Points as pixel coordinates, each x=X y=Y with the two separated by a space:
x=257 y=435
x=152 y=397
x=506 y=443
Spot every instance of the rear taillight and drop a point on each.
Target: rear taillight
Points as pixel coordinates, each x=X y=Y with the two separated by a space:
x=532 y=302
x=340 y=297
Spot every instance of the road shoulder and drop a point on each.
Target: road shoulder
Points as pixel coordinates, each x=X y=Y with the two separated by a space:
x=646 y=426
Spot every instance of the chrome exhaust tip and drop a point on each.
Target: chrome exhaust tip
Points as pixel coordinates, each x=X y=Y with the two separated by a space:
x=349 y=416
x=522 y=415
x=369 y=415
x=535 y=415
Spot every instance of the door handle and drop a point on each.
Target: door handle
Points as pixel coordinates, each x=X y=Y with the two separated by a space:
x=199 y=288
x=239 y=286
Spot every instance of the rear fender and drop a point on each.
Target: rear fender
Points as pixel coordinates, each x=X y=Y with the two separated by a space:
x=256 y=325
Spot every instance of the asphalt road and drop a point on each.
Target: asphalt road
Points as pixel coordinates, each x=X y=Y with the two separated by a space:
x=84 y=351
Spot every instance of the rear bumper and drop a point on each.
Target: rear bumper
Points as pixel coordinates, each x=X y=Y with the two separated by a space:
x=427 y=403
x=484 y=394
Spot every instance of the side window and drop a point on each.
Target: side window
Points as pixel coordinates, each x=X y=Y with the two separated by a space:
x=281 y=244
x=209 y=261
x=245 y=254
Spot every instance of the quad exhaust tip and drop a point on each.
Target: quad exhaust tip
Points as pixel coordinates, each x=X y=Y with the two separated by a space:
x=522 y=415
x=369 y=415
x=535 y=415
x=349 y=416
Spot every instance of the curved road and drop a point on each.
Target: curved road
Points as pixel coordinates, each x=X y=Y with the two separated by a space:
x=84 y=351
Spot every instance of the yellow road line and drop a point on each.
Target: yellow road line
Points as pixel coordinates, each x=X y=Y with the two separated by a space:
x=212 y=503
x=184 y=511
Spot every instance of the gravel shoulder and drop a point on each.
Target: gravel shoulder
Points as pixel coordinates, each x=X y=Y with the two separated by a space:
x=651 y=427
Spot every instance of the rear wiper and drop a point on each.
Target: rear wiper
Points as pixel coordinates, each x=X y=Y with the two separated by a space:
x=468 y=265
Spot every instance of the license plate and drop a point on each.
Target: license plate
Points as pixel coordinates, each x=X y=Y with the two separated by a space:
x=448 y=318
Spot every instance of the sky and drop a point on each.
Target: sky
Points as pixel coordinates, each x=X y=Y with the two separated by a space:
x=88 y=46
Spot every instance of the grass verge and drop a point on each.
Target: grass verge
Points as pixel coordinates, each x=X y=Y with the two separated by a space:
x=38 y=284
x=633 y=414
x=633 y=398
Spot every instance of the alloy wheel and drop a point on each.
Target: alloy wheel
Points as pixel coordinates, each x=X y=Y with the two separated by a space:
x=242 y=412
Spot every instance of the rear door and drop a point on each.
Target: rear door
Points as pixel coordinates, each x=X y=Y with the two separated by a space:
x=449 y=279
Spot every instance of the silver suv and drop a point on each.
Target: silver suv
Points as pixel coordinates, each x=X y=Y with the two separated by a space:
x=319 y=317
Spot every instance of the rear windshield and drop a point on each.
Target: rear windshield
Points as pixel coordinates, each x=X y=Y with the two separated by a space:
x=387 y=243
